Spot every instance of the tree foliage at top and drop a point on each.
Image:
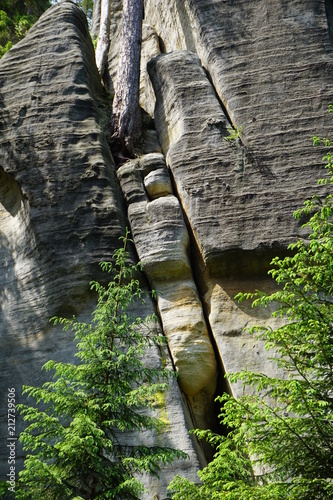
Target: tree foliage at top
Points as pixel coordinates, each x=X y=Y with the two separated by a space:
x=16 y=17
x=87 y=7
x=286 y=427
x=76 y=425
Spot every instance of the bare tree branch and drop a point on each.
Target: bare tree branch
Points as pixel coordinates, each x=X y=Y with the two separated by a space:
x=103 y=42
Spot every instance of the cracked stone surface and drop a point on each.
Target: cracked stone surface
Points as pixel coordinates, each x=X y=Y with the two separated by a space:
x=207 y=214
x=162 y=243
x=61 y=210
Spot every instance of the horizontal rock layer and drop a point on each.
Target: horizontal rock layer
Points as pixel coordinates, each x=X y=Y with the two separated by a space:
x=61 y=209
x=270 y=64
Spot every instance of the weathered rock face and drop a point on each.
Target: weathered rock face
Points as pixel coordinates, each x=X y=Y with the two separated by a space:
x=61 y=206
x=265 y=70
x=278 y=101
x=207 y=214
x=162 y=242
x=51 y=111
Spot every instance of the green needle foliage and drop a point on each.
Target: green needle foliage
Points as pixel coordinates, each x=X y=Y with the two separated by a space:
x=76 y=424
x=286 y=426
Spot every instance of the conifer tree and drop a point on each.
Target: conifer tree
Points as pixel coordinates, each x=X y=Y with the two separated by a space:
x=280 y=444
x=76 y=422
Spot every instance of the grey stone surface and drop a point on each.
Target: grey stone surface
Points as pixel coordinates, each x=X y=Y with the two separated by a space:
x=162 y=242
x=270 y=63
x=264 y=69
x=158 y=184
x=207 y=215
x=60 y=204
x=61 y=209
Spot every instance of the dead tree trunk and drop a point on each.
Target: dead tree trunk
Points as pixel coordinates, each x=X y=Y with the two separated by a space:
x=96 y=19
x=126 y=117
x=103 y=41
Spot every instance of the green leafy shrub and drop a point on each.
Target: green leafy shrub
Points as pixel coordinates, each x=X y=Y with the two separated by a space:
x=16 y=18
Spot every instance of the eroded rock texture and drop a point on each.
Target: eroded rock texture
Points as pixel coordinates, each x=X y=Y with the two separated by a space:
x=61 y=207
x=263 y=68
x=207 y=214
x=278 y=102
x=162 y=242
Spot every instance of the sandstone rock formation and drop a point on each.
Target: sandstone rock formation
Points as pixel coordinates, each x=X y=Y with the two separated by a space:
x=162 y=243
x=61 y=206
x=263 y=70
x=206 y=214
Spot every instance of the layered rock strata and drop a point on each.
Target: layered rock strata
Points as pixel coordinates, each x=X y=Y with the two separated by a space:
x=61 y=208
x=238 y=204
x=60 y=205
x=162 y=243
x=207 y=215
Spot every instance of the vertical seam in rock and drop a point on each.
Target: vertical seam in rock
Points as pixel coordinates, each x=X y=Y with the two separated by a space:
x=193 y=244
x=144 y=275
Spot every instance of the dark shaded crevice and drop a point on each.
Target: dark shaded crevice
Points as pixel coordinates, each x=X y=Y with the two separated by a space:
x=204 y=451
x=161 y=45
x=198 y=268
x=10 y=193
x=329 y=15
x=223 y=107
x=164 y=350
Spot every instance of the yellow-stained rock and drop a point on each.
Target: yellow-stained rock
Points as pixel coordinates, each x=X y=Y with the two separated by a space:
x=162 y=242
x=185 y=328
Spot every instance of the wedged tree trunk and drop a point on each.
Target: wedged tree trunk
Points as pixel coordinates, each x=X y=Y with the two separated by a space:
x=103 y=41
x=96 y=19
x=126 y=116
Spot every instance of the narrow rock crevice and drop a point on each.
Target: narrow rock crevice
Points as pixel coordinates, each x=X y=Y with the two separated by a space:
x=222 y=105
x=199 y=272
x=329 y=14
x=10 y=193
x=162 y=244
x=145 y=181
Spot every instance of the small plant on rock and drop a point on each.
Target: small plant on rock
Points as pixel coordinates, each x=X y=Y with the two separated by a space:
x=233 y=133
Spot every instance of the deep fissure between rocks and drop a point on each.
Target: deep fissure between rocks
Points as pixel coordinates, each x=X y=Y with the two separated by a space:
x=197 y=264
